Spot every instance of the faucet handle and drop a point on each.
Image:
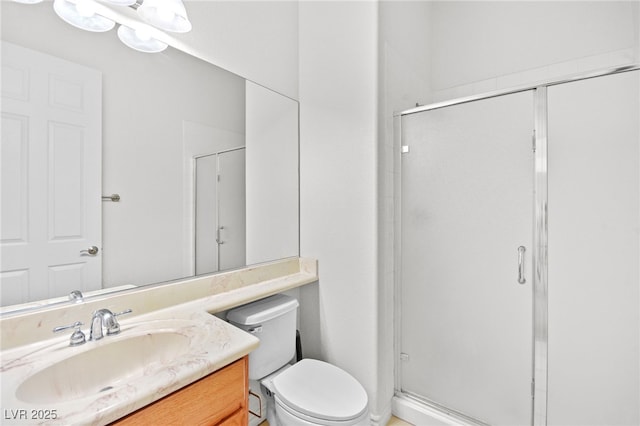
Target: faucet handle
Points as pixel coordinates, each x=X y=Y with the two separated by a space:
x=77 y=338
x=76 y=296
x=126 y=311
x=114 y=328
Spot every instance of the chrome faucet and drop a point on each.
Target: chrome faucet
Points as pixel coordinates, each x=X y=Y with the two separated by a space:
x=76 y=296
x=107 y=319
x=77 y=338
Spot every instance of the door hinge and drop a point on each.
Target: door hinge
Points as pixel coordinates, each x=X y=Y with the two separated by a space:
x=533 y=388
x=533 y=141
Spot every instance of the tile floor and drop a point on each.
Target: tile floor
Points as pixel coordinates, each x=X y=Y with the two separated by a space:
x=394 y=421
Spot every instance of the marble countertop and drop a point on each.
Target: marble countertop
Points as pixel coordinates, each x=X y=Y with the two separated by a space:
x=122 y=373
x=211 y=343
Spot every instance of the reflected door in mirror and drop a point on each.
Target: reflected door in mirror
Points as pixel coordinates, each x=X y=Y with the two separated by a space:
x=220 y=235
x=51 y=171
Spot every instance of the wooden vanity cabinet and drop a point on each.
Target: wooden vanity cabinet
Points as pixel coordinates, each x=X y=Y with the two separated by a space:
x=220 y=398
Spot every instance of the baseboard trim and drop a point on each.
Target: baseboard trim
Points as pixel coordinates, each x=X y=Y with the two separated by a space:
x=383 y=418
x=419 y=414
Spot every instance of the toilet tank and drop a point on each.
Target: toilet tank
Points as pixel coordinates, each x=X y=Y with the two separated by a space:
x=273 y=321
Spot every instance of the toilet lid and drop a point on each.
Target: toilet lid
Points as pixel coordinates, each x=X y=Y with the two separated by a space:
x=321 y=390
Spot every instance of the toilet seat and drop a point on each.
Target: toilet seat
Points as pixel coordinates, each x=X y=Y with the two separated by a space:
x=320 y=391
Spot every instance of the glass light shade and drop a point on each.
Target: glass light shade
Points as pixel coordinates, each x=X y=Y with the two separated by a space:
x=28 y=1
x=140 y=40
x=170 y=15
x=81 y=14
x=122 y=2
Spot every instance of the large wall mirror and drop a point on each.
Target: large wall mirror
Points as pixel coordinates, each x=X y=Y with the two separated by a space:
x=122 y=169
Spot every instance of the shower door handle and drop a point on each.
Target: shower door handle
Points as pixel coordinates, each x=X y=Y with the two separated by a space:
x=521 y=251
x=218 y=237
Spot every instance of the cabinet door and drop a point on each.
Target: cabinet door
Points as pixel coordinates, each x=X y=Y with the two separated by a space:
x=218 y=399
x=239 y=418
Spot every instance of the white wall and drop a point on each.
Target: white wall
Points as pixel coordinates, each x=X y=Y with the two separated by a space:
x=403 y=82
x=405 y=63
x=479 y=46
x=257 y=40
x=338 y=150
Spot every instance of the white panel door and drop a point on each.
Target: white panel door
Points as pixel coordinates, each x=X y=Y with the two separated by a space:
x=51 y=176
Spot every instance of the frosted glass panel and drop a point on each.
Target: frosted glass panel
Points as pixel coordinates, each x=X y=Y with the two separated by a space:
x=206 y=256
x=594 y=187
x=232 y=218
x=467 y=204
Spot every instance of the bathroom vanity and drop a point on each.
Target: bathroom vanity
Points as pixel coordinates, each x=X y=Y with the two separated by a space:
x=172 y=357
x=221 y=398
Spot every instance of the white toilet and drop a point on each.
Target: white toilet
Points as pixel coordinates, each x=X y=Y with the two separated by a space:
x=310 y=392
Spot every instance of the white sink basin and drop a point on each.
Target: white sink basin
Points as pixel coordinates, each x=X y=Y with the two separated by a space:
x=108 y=365
x=101 y=381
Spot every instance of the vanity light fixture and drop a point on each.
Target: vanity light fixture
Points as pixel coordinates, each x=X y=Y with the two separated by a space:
x=140 y=39
x=123 y=2
x=170 y=15
x=82 y=14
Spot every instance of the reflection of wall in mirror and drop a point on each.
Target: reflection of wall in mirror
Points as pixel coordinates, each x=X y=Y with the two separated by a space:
x=272 y=175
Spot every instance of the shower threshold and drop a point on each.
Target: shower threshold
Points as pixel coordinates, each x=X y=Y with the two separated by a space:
x=421 y=411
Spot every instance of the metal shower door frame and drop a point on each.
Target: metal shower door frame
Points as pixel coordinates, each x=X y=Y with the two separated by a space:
x=540 y=235
x=195 y=198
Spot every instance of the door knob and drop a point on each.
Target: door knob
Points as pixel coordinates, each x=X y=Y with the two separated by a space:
x=91 y=251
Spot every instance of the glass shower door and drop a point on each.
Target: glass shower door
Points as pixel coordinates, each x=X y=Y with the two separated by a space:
x=594 y=251
x=466 y=244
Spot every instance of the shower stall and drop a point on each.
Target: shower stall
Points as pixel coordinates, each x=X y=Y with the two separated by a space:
x=517 y=289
